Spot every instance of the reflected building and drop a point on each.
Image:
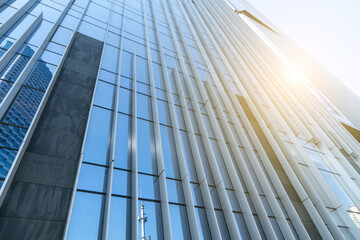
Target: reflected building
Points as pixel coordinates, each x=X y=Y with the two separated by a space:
x=169 y=119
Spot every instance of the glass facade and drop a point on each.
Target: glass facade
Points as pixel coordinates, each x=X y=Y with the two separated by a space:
x=191 y=119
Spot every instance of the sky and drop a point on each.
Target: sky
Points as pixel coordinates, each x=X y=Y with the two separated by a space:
x=329 y=30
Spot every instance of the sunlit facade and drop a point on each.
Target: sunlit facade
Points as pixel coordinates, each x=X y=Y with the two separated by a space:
x=163 y=119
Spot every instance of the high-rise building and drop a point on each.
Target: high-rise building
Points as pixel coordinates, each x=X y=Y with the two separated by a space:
x=164 y=119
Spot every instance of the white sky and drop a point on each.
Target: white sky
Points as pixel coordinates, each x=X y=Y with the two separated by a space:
x=329 y=30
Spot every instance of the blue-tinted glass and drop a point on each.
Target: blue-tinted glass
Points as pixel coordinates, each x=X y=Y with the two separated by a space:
x=6 y=159
x=134 y=27
x=24 y=107
x=154 y=220
x=11 y=136
x=179 y=222
x=316 y=159
x=98 y=12
x=51 y=57
x=104 y=94
x=92 y=178
x=215 y=197
x=39 y=34
x=120 y=219
x=107 y=76
x=242 y=226
x=85 y=220
x=196 y=192
x=222 y=225
x=122 y=148
x=163 y=110
x=338 y=190
x=175 y=191
x=40 y=76
x=12 y=71
x=124 y=100
x=145 y=147
x=4 y=88
x=98 y=136
x=144 y=109
x=6 y=43
x=148 y=187
x=142 y=70
x=233 y=200
x=121 y=183
x=203 y=223
x=132 y=46
x=188 y=157
x=126 y=64
x=91 y=31
x=109 y=60
x=169 y=152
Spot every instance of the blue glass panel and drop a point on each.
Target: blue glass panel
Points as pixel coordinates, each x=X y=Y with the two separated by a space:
x=196 y=193
x=163 y=110
x=188 y=157
x=169 y=152
x=98 y=136
x=142 y=70
x=134 y=27
x=154 y=220
x=24 y=107
x=107 y=76
x=124 y=100
x=132 y=46
x=6 y=43
x=40 y=76
x=146 y=148
x=203 y=223
x=92 y=178
x=120 y=219
x=179 y=222
x=175 y=191
x=121 y=183
x=222 y=225
x=148 y=187
x=6 y=159
x=110 y=58
x=4 y=88
x=126 y=64
x=85 y=220
x=144 y=109
x=316 y=159
x=12 y=71
x=39 y=35
x=11 y=136
x=338 y=190
x=240 y=221
x=104 y=94
x=122 y=148
x=215 y=197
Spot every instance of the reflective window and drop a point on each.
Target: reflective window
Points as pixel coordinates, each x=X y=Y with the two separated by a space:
x=6 y=159
x=121 y=183
x=222 y=224
x=86 y=215
x=142 y=70
x=145 y=147
x=123 y=138
x=125 y=101
x=144 y=109
x=104 y=94
x=203 y=223
x=16 y=65
x=169 y=152
x=154 y=220
x=120 y=219
x=239 y=218
x=11 y=136
x=40 y=76
x=97 y=137
x=92 y=178
x=110 y=58
x=148 y=187
x=23 y=109
x=175 y=191
x=179 y=222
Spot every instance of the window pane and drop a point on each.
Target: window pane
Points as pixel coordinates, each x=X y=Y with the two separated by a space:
x=120 y=218
x=154 y=220
x=179 y=222
x=145 y=147
x=123 y=142
x=97 y=137
x=92 y=178
x=85 y=220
